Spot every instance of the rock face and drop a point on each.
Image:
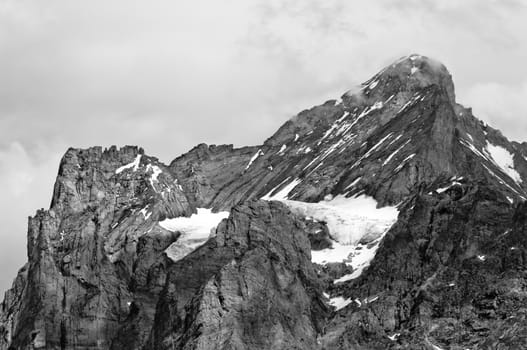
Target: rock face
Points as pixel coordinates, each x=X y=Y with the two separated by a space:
x=252 y=286
x=449 y=274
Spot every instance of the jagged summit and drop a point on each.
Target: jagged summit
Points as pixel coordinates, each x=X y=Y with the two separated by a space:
x=409 y=73
x=395 y=85
x=401 y=129
x=427 y=70
x=391 y=218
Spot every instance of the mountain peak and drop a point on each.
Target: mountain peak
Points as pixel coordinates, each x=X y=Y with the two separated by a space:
x=424 y=71
x=412 y=73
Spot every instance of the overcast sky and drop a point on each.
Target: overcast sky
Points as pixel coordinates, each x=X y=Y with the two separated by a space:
x=167 y=75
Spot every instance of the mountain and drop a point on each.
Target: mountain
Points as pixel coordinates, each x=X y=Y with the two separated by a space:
x=390 y=218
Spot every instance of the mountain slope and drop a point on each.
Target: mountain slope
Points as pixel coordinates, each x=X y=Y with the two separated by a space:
x=304 y=259
x=403 y=127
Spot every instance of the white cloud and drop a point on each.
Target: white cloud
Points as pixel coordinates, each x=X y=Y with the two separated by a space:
x=502 y=106
x=16 y=170
x=26 y=184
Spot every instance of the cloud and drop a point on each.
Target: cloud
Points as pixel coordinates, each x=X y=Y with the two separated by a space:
x=502 y=106
x=27 y=183
x=167 y=75
x=16 y=170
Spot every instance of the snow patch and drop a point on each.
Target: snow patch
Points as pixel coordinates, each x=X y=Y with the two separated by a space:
x=257 y=154
x=372 y=299
x=146 y=213
x=355 y=225
x=284 y=192
x=473 y=148
x=155 y=173
x=377 y=105
x=356 y=181
x=371 y=150
x=403 y=163
x=366 y=111
x=503 y=182
x=336 y=125
x=312 y=162
x=195 y=231
x=336 y=254
x=377 y=145
x=346 y=113
x=339 y=303
x=410 y=102
x=394 y=153
x=282 y=149
x=359 y=257
x=348 y=219
x=443 y=189
x=504 y=160
x=134 y=165
x=394 y=336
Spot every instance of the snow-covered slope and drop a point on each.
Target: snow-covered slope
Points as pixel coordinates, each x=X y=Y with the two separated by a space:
x=349 y=220
x=356 y=226
x=195 y=231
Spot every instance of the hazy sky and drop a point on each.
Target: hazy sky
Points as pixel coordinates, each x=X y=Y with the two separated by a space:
x=167 y=75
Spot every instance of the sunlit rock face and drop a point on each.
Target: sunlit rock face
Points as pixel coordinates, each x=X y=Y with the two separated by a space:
x=387 y=218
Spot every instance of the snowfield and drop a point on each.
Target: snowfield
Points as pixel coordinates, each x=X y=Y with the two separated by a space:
x=283 y=193
x=355 y=225
x=133 y=165
x=339 y=303
x=195 y=231
x=349 y=220
x=504 y=160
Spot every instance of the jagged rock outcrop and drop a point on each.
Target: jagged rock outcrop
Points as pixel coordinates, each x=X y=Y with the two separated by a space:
x=84 y=260
x=449 y=274
x=251 y=287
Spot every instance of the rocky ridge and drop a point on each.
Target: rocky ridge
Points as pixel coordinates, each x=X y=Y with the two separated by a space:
x=448 y=274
